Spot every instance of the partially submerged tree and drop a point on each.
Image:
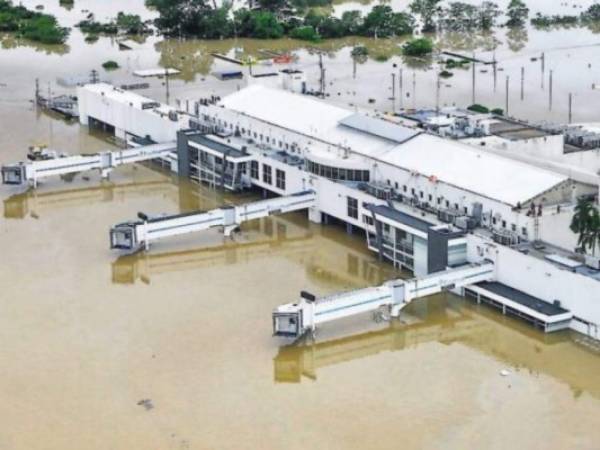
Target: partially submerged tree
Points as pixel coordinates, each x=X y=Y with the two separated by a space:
x=417 y=47
x=383 y=22
x=428 y=11
x=517 y=13
x=488 y=14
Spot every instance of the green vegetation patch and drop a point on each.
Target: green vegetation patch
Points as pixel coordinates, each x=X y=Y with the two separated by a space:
x=110 y=65
x=130 y=24
x=32 y=25
x=457 y=64
x=418 y=47
x=305 y=33
x=478 y=108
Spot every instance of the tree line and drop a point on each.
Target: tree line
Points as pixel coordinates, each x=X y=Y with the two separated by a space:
x=297 y=19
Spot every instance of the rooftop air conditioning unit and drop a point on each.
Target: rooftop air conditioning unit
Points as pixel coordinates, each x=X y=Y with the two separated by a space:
x=504 y=237
x=448 y=215
x=465 y=222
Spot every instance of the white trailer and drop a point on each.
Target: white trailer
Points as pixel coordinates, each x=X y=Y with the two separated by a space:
x=138 y=234
x=296 y=319
x=31 y=171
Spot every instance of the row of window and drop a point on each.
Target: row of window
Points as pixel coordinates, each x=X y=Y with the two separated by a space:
x=336 y=173
x=267 y=174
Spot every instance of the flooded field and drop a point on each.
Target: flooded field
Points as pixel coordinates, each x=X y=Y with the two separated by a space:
x=172 y=349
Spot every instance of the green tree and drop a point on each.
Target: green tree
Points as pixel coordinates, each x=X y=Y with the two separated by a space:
x=131 y=24
x=428 y=10
x=383 y=22
x=272 y=5
x=179 y=17
x=459 y=16
x=592 y=13
x=586 y=224
x=488 y=14
x=352 y=22
x=266 y=26
x=417 y=47
x=517 y=13
x=305 y=33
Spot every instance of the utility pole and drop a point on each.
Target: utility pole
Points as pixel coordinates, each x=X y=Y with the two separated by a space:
x=543 y=68
x=401 y=89
x=507 y=86
x=437 y=95
x=570 y=107
x=168 y=94
x=522 y=83
x=495 y=67
x=393 y=92
x=473 y=87
x=550 y=93
x=94 y=76
x=414 y=90
x=322 y=76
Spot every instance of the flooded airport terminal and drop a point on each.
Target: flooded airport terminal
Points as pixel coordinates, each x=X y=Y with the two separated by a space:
x=315 y=253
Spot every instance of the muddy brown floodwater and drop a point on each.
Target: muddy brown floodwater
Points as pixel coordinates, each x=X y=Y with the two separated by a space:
x=172 y=349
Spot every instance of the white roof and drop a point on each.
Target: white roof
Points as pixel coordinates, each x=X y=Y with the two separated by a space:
x=451 y=162
x=158 y=72
x=302 y=114
x=125 y=96
x=471 y=169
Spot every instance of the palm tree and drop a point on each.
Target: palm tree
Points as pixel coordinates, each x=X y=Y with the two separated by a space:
x=586 y=223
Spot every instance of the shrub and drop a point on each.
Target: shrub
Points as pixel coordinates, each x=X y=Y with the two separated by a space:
x=110 y=65
x=307 y=33
x=478 y=108
x=417 y=47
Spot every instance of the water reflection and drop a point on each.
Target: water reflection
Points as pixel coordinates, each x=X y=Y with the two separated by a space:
x=517 y=38
x=192 y=56
x=449 y=320
x=345 y=261
x=35 y=203
x=485 y=40
x=9 y=41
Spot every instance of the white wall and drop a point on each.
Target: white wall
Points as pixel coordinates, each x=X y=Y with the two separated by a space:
x=577 y=293
x=126 y=118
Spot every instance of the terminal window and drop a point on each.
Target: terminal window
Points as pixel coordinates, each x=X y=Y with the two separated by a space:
x=352 y=208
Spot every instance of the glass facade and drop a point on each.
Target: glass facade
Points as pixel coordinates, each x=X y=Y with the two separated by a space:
x=336 y=173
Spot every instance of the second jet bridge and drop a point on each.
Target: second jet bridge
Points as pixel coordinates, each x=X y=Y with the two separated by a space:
x=295 y=319
x=141 y=233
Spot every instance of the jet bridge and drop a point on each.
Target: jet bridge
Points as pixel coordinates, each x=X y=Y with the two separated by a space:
x=296 y=319
x=141 y=233
x=31 y=171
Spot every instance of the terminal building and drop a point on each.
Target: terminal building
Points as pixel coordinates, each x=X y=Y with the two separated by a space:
x=423 y=202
